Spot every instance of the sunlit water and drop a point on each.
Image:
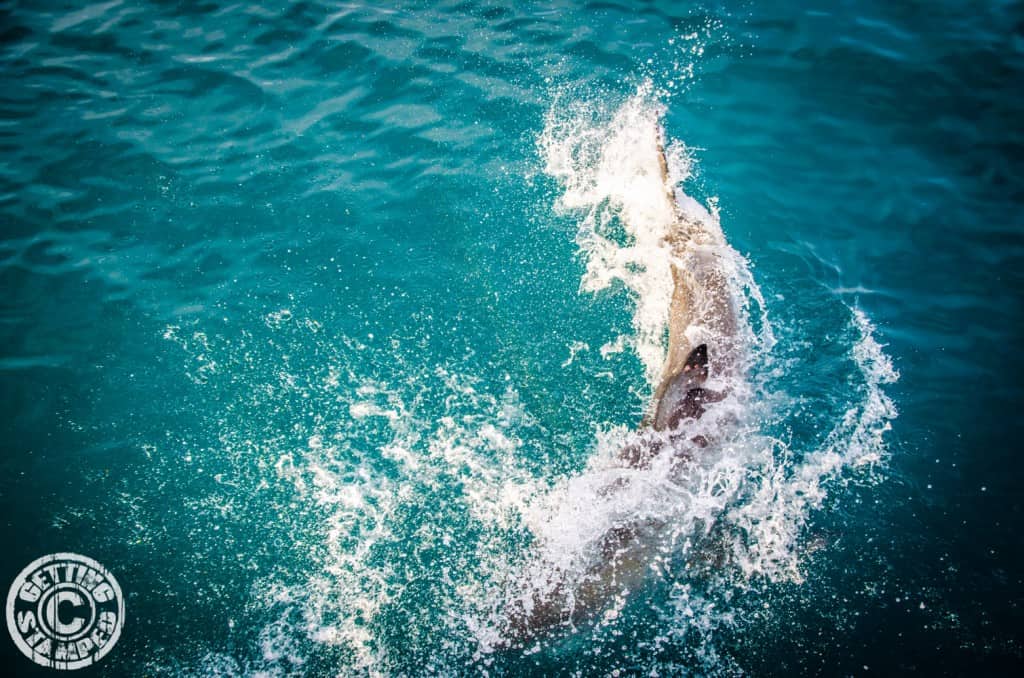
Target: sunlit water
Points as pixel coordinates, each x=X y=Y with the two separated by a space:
x=323 y=324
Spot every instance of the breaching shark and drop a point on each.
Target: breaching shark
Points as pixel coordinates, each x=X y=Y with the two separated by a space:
x=703 y=358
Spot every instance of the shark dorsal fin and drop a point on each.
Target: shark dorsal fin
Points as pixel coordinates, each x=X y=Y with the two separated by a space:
x=697 y=360
x=691 y=376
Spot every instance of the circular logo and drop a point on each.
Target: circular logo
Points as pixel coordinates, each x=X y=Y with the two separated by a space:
x=65 y=611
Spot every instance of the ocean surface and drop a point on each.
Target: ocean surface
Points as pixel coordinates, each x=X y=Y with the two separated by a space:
x=317 y=319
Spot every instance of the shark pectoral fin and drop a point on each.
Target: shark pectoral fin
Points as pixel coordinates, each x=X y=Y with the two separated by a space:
x=692 y=405
x=709 y=396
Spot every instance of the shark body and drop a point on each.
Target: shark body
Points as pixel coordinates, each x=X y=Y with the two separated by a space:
x=702 y=350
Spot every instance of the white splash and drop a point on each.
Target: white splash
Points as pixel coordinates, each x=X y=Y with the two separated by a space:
x=774 y=515
x=749 y=490
x=610 y=172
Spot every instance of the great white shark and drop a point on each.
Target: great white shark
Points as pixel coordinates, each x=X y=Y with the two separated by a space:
x=702 y=359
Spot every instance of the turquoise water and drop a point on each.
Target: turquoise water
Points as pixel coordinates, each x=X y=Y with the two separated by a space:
x=318 y=318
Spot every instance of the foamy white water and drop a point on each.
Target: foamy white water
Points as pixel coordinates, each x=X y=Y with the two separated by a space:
x=745 y=502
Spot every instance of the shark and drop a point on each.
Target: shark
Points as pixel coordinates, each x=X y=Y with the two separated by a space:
x=702 y=358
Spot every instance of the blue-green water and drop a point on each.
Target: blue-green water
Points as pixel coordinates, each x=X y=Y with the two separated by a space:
x=296 y=338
